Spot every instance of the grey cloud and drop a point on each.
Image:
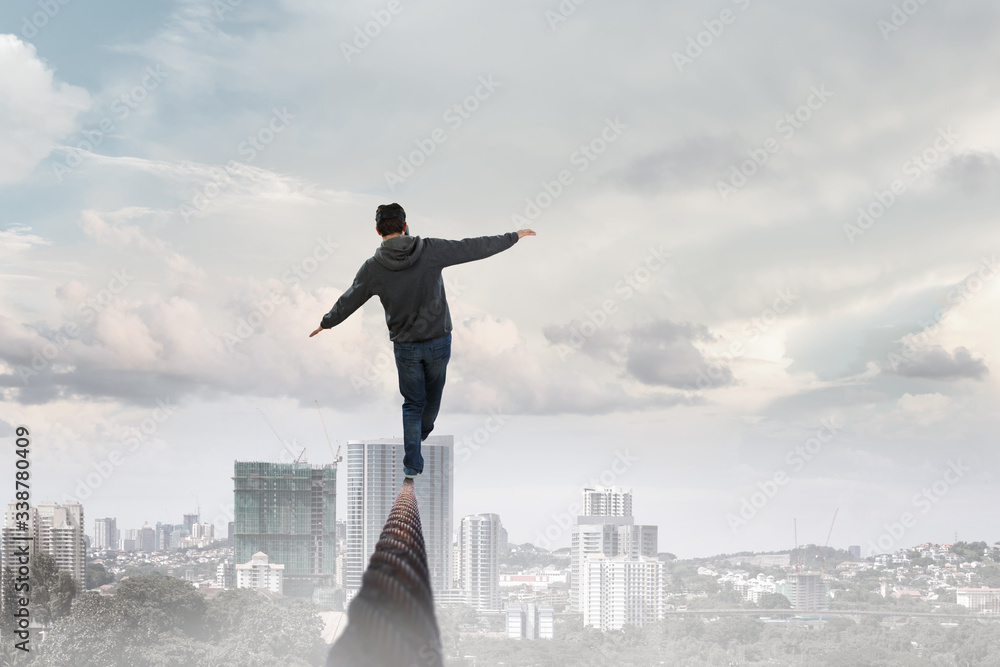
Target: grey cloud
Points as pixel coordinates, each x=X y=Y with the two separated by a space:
x=662 y=353
x=973 y=171
x=659 y=353
x=691 y=161
x=937 y=363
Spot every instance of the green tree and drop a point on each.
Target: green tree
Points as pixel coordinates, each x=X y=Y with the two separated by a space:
x=52 y=591
x=774 y=601
x=165 y=622
x=96 y=576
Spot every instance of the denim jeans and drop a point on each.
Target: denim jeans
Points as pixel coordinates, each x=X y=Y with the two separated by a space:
x=421 y=367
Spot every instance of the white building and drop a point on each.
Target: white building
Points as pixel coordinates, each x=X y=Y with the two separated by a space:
x=607 y=501
x=479 y=539
x=606 y=528
x=530 y=621
x=260 y=573
x=105 y=534
x=225 y=574
x=53 y=528
x=620 y=591
x=806 y=591
x=979 y=600
x=374 y=477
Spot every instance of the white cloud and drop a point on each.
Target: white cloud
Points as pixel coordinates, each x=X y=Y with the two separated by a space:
x=37 y=110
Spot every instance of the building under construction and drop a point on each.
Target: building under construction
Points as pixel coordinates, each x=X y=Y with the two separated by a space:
x=289 y=512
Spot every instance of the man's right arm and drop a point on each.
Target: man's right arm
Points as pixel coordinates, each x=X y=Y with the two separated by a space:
x=355 y=297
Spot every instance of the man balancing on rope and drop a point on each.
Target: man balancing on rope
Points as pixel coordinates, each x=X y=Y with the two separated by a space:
x=405 y=273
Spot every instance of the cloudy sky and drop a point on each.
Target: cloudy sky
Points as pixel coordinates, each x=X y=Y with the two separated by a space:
x=764 y=285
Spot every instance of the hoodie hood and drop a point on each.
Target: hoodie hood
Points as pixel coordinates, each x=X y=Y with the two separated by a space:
x=399 y=252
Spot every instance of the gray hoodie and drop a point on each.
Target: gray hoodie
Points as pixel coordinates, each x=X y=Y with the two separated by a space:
x=405 y=273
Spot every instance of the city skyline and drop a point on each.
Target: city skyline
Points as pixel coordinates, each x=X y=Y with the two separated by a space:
x=763 y=286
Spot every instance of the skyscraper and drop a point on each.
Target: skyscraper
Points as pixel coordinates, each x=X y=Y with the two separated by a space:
x=53 y=528
x=620 y=591
x=806 y=591
x=374 y=476
x=479 y=543
x=164 y=531
x=607 y=501
x=190 y=520
x=606 y=528
x=105 y=534
x=147 y=538
x=288 y=511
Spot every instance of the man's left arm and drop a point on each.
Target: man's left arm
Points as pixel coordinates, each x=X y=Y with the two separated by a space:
x=469 y=250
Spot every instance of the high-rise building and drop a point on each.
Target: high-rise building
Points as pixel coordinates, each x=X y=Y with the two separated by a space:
x=225 y=574
x=855 y=551
x=105 y=534
x=374 y=476
x=190 y=520
x=806 y=591
x=606 y=528
x=479 y=538
x=607 y=501
x=50 y=527
x=620 y=591
x=164 y=532
x=60 y=534
x=288 y=511
x=530 y=621
x=635 y=540
x=147 y=538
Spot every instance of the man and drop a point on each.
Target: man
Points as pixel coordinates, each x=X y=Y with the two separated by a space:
x=405 y=273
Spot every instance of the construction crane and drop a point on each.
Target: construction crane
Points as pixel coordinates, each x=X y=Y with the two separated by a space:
x=337 y=458
x=795 y=527
x=827 y=545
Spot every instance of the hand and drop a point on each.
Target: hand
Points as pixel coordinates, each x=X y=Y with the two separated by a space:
x=521 y=233
x=315 y=332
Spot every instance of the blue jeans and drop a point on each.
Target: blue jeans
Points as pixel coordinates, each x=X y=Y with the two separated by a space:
x=421 y=367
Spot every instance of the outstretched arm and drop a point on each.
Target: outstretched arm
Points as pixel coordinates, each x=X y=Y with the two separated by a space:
x=480 y=247
x=355 y=297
